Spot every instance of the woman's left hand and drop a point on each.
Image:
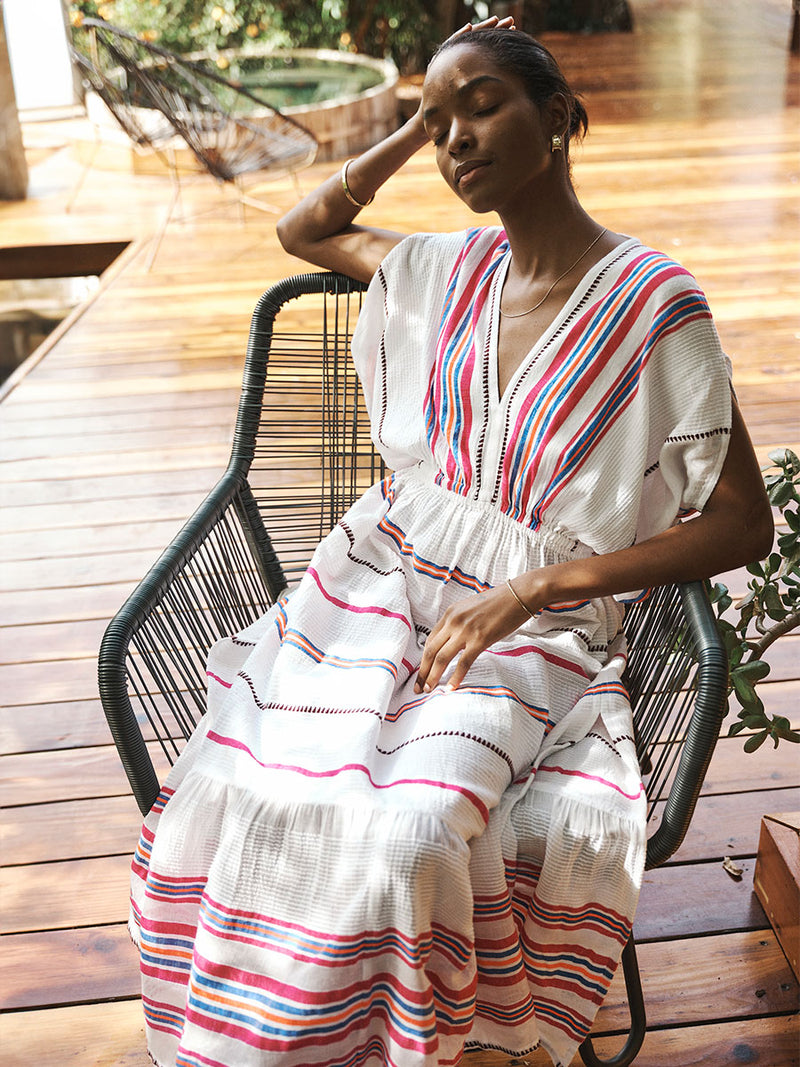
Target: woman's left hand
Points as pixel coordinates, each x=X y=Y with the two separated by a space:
x=465 y=630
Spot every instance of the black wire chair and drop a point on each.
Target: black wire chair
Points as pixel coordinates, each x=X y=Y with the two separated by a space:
x=160 y=99
x=301 y=454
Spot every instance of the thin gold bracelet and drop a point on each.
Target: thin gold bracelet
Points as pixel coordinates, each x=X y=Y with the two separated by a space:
x=514 y=594
x=346 y=188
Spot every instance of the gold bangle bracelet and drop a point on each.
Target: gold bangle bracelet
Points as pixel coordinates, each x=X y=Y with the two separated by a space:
x=346 y=188
x=513 y=592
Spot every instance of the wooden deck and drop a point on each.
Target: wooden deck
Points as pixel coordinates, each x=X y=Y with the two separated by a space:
x=121 y=426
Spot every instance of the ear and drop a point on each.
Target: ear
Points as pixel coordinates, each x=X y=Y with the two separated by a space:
x=558 y=114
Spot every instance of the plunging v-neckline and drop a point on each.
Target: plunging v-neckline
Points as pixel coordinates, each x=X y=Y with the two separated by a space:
x=497 y=398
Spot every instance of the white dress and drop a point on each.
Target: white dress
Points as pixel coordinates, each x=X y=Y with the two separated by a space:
x=342 y=872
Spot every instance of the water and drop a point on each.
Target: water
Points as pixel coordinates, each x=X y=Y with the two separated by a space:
x=286 y=81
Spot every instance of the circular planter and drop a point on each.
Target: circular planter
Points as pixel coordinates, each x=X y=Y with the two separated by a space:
x=343 y=125
x=346 y=125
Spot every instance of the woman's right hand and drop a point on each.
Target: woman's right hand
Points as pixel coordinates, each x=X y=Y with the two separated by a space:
x=492 y=23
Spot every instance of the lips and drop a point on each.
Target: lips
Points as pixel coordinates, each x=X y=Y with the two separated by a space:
x=467 y=168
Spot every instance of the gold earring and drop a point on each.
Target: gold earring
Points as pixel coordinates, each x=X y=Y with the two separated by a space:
x=556 y=143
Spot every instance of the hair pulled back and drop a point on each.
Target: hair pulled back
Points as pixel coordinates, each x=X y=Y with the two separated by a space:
x=522 y=55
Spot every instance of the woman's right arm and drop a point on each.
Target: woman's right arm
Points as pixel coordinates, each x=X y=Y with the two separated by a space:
x=320 y=229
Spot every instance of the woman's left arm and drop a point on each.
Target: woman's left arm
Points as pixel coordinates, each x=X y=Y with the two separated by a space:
x=734 y=528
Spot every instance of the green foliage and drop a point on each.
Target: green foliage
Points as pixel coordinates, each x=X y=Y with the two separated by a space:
x=770 y=609
x=404 y=30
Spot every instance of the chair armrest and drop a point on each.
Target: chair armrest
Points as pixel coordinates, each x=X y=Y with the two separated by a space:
x=217 y=576
x=710 y=686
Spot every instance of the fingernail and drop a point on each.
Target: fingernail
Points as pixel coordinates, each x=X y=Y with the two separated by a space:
x=449 y=688
x=427 y=687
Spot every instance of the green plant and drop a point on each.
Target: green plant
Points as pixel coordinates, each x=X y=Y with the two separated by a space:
x=405 y=30
x=770 y=609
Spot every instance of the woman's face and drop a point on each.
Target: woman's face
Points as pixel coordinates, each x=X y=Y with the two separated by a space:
x=492 y=142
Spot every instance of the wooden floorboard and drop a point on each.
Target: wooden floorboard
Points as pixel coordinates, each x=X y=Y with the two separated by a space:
x=122 y=422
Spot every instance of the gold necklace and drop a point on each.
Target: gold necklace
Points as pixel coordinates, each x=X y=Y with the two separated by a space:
x=521 y=314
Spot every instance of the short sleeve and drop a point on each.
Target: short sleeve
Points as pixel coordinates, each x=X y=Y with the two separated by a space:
x=690 y=411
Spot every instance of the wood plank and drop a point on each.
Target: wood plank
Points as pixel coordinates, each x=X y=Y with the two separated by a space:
x=111 y=1034
x=106 y=1034
x=728 y=824
x=774 y=768
x=685 y=900
x=67 y=967
x=42 y=727
x=65 y=431
x=46 y=642
x=98 y=891
x=45 y=777
x=64 y=572
x=41 y=833
x=768 y=1041
x=721 y=977
x=53 y=605
x=111 y=441
x=677 y=901
x=114 y=489
x=139 y=511
x=167 y=460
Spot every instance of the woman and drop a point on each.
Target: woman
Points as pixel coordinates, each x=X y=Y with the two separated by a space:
x=412 y=820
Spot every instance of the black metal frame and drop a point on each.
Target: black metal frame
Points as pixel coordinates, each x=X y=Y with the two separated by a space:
x=222 y=571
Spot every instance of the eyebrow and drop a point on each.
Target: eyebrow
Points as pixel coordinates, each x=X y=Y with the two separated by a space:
x=464 y=90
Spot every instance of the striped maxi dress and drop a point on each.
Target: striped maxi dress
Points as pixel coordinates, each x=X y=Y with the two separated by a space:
x=341 y=872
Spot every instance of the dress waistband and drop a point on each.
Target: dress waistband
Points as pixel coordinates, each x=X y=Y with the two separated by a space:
x=548 y=540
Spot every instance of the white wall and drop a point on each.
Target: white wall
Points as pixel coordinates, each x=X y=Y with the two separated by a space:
x=37 y=45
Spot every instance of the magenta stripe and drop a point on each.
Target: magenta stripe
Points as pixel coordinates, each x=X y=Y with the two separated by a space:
x=216 y=677
x=594 y=778
x=372 y=609
x=231 y=742
x=528 y=650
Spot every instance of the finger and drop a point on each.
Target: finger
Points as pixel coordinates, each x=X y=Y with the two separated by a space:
x=435 y=662
x=465 y=661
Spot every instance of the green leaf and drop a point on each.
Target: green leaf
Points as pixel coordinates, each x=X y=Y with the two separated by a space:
x=774 y=604
x=756 y=569
x=780 y=494
x=756 y=741
x=754 y=670
x=745 y=692
x=754 y=721
x=779 y=455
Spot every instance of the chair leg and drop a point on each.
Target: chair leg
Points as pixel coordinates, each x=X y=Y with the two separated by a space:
x=85 y=173
x=633 y=1044
x=158 y=237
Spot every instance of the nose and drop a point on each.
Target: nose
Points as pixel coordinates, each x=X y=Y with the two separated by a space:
x=460 y=138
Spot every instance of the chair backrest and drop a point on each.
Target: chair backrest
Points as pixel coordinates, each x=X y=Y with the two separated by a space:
x=151 y=131
x=301 y=454
x=230 y=129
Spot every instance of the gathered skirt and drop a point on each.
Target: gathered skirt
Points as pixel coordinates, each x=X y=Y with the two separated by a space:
x=339 y=871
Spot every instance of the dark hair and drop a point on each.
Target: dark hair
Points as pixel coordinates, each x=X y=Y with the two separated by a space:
x=528 y=59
